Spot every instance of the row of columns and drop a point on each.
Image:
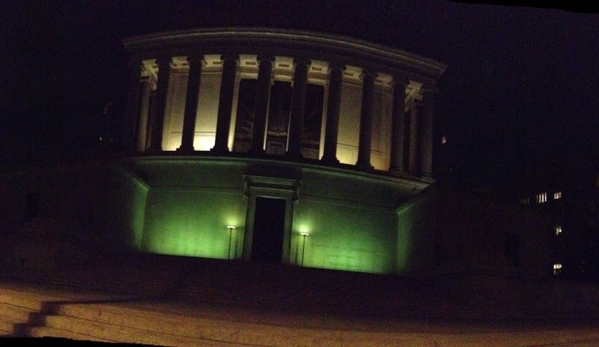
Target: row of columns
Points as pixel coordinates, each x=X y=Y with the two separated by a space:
x=420 y=140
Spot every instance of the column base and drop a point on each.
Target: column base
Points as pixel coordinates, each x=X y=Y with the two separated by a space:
x=397 y=171
x=219 y=150
x=185 y=150
x=365 y=166
x=154 y=151
x=330 y=161
x=293 y=156
x=257 y=152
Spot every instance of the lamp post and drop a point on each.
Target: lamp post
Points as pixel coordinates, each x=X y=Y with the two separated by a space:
x=230 y=228
x=304 y=234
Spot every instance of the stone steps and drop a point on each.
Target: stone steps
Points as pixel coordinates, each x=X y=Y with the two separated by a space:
x=82 y=322
x=16 y=308
x=27 y=330
x=15 y=313
x=6 y=326
x=313 y=307
x=259 y=285
x=102 y=322
x=315 y=289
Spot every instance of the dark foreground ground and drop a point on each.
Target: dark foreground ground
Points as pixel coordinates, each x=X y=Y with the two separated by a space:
x=158 y=300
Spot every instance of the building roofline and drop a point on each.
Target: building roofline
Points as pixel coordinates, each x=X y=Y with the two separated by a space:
x=317 y=44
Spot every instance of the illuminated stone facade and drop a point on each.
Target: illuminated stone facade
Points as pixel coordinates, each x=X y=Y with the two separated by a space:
x=317 y=149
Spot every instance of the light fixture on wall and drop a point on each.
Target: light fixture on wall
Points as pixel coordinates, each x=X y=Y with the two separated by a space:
x=304 y=234
x=230 y=228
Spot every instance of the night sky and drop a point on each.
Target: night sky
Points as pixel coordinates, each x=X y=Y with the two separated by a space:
x=521 y=85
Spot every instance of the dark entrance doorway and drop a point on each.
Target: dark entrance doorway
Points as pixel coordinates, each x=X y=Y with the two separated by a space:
x=269 y=224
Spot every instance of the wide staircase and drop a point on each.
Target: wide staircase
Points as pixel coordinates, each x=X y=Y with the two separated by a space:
x=182 y=301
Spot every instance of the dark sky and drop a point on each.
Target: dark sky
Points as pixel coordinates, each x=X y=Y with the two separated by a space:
x=521 y=84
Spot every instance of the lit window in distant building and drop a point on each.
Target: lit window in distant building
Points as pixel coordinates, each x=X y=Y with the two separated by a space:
x=558 y=230
x=557 y=268
x=525 y=201
x=557 y=195
x=541 y=198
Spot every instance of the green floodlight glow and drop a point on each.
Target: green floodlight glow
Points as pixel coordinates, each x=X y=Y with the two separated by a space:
x=344 y=237
x=191 y=223
x=193 y=209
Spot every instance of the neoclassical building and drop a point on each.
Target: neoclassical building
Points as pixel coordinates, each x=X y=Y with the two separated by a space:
x=278 y=146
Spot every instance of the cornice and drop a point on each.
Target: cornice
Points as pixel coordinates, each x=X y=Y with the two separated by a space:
x=277 y=41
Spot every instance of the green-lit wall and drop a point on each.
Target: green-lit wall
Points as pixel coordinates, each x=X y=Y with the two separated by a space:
x=415 y=233
x=193 y=222
x=351 y=219
x=344 y=237
x=124 y=208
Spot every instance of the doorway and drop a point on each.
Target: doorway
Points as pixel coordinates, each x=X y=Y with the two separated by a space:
x=269 y=230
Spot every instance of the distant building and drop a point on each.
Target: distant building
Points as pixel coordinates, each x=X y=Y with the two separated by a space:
x=569 y=196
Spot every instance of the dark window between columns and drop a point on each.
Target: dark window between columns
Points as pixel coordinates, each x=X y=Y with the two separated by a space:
x=245 y=116
x=278 y=118
x=312 y=121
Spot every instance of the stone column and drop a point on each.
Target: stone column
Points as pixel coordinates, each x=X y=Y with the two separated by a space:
x=365 y=143
x=225 y=103
x=144 y=112
x=261 y=106
x=164 y=71
x=332 y=123
x=426 y=130
x=131 y=111
x=413 y=150
x=397 y=130
x=298 y=107
x=191 y=103
x=151 y=113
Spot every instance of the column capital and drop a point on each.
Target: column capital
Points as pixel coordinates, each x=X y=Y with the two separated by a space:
x=336 y=65
x=164 y=60
x=265 y=57
x=368 y=72
x=196 y=58
x=301 y=60
x=230 y=56
x=399 y=79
